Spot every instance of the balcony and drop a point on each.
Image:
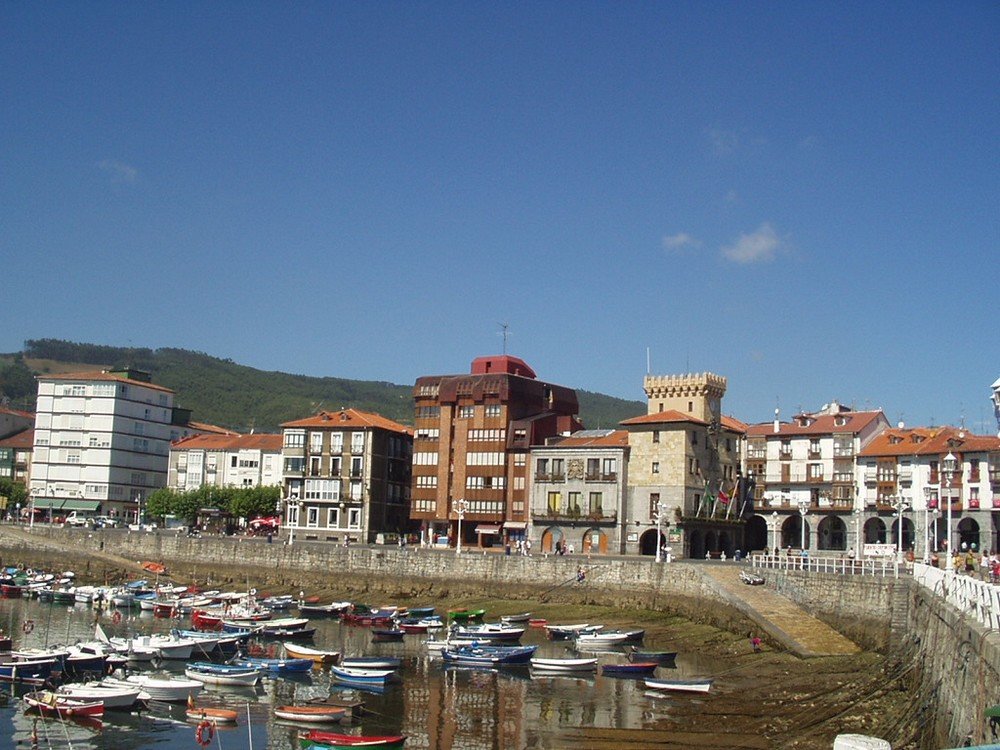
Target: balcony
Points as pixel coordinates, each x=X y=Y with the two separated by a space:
x=598 y=477
x=550 y=477
x=563 y=515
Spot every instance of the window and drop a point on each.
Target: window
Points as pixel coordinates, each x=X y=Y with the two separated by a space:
x=425 y=482
x=335 y=462
x=694 y=437
x=428 y=412
x=354 y=518
x=294 y=465
x=427 y=433
x=814 y=446
x=656 y=436
x=654 y=501
x=557 y=468
x=295 y=439
x=493 y=410
x=356 y=491
x=333 y=517
x=357 y=442
x=542 y=467
x=322 y=489
x=484 y=459
x=554 y=502
x=336 y=442
x=316 y=442
x=312 y=516
x=610 y=467
x=597 y=503
x=466 y=412
x=356 y=466
x=814 y=471
x=234 y=461
x=656 y=467
x=593 y=468
x=425 y=459
x=574 y=503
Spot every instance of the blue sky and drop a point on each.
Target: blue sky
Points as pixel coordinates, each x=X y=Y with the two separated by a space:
x=802 y=197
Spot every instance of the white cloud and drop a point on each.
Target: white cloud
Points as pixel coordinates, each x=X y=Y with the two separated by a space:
x=680 y=240
x=759 y=246
x=723 y=141
x=119 y=171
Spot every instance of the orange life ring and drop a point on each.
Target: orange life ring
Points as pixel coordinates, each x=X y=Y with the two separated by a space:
x=116 y=618
x=204 y=733
x=28 y=626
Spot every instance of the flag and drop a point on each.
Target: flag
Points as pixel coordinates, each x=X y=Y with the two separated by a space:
x=723 y=497
x=711 y=499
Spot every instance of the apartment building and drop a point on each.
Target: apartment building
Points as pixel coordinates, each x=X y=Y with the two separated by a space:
x=346 y=476
x=472 y=436
x=13 y=421
x=806 y=477
x=102 y=441
x=578 y=493
x=932 y=479
x=225 y=460
x=684 y=469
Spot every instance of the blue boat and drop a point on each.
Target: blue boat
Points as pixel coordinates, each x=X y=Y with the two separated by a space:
x=364 y=677
x=275 y=666
x=27 y=672
x=371 y=662
x=418 y=613
x=488 y=656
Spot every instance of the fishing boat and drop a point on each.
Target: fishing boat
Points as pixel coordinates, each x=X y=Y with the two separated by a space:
x=333 y=609
x=295 y=634
x=371 y=662
x=414 y=627
x=170 y=647
x=565 y=632
x=311 y=713
x=465 y=615
x=48 y=703
x=681 y=686
x=275 y=666
x=160 y=688
x=631 y=636
x=32 y=672
x=663 y=658
x=318 y=656
x=387 y=635
x=564 y=665
x=488 y=656
x=154 y=567
x=860 y=742
x=211 y=714
x=111 y=696
x=357 y=676
x=361 y=614
x=523 y=617
x=222 y=674
x=419 y=612
x=629 y=669
x=224 y=643
x=599 y=640
x=314 y=738
x=489 y=632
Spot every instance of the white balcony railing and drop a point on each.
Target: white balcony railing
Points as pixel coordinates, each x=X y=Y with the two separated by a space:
x=969 y=596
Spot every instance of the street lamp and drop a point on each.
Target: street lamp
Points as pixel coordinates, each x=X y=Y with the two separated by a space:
x=461 y=505
x=899 y=503
x=948 y=467
x=293 y=518
x=658 y=517
x=774 y=528
x=928 y=493
x=857 y=532
x=803 y=509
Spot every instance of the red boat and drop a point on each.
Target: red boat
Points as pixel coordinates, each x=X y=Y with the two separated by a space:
x=10 y=591
x=48 y=703
x=204 y=620
x=365 y=619
x=319 y=739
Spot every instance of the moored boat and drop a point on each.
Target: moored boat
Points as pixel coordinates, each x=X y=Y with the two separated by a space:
x=630 y=669
x=166 y=689
x=222 y=674
x=680 y=686
x=358 y=676
x=564 y=632
x=212 y=714
x=564 y=665
x=387 y=635
x=317 y=739
x=111 y=696
x=48 y=703
x=523 y=617
x=318 y=656
x=275 y=666
x=465 y=615
x=312 y=713
x=371 y=662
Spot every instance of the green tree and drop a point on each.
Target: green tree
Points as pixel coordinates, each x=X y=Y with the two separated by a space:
x=160 y=504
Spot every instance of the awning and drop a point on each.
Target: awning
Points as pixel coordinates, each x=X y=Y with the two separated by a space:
x=487 y=529
x=519 y=525
x=47 y=502
x=90 y=505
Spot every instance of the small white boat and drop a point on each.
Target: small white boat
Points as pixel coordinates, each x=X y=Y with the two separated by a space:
x=600 y=640
x=167 y=689
x=860 y=742
x=562 y=632
x=221 y=674
x=169 y=647
x=112 y=696
x=564 y=665
x=680 y=686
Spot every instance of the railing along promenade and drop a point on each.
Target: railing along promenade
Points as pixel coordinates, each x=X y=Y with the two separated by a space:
x=979 y=600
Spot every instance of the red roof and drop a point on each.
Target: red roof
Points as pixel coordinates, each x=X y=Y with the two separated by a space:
x=928 y=441
x=16 y=412
x=503 y=363
x=663 y=417
x=212 y=442
x=818 y=424
x=350 y=419
x=20 y=440
x=595 y=438
x=102 y=376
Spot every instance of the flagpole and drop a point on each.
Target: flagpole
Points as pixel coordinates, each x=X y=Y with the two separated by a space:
x=732 y=498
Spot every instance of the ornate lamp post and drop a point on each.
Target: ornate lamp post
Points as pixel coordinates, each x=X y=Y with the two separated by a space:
x=658 y=517
x=293 y=517
x=461 y=505
x=948 y=467
x=774 y=528
x=928 y=493
x=803 y=510
x=899 y=503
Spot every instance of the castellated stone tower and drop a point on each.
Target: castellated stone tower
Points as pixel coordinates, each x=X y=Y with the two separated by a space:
x=697 y=394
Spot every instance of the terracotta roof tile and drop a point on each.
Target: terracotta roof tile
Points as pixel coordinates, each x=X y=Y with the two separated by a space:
x=820 y=424
x=350 y=418
x=928 y=441
x=232 y=442
x=663 y=417
x=20 y=440
x=588 y=438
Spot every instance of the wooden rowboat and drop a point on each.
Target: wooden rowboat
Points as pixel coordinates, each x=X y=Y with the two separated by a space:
x=317 y=739
x=631 y=669
x=318 y=656
x=213 y=715
x=311 y=714
x=680 y=686
x=48 y=703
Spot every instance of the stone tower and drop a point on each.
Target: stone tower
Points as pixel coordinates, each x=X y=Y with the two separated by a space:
x=698 y=395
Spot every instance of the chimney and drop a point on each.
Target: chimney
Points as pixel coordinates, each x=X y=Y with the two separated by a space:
x=777 y=423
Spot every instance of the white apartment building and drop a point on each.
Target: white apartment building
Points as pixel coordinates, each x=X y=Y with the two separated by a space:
x=807 y=478
x=226 y=460
x=102 y=441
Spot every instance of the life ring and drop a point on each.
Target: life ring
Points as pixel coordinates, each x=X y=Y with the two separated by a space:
x=253 y=592
x=204 y=733
x=28 y=626
x=116 y=618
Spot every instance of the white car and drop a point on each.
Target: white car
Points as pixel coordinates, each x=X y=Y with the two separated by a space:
x=75 y=519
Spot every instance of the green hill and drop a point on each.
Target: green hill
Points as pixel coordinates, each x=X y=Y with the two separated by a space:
x=237 y=397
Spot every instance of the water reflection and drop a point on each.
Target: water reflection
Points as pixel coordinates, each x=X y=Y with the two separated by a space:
x=445 y=708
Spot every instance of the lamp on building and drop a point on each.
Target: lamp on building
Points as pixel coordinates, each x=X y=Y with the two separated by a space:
x=774 y=528
x=899 y=504
x=461 y=505
x=658 y=517
x=948 y=468
x=31 y=511
x=803 y=504
x=928 y=493
x=293 y=504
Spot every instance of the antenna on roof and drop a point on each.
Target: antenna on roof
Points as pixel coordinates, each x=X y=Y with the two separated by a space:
x=505 y=332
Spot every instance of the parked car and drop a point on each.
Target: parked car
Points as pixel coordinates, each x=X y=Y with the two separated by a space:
x=106 y=522
x=77 y=519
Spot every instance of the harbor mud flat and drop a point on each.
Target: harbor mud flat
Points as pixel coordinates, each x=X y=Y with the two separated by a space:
x=765 y=699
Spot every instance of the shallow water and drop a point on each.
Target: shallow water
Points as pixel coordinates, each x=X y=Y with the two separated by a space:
x=436 y=707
